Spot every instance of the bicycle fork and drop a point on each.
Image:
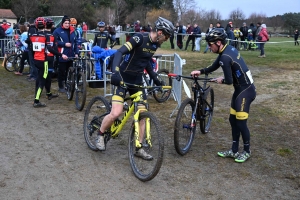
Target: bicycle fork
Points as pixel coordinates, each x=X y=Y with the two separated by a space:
x=137 y=129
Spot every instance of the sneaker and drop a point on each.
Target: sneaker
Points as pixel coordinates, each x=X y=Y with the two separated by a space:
x=262 y=56
x=62 y=90
x=39 y=105
x=18 y=73
x=243 y=157
x=143 y=154
x=31 y=79
x=52 y=96
x=100 y=142
x=228 y=154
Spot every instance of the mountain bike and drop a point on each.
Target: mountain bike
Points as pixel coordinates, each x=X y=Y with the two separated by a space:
x=13 y=61
x=200 y=108
x=153 y=142
x=159 y=95
x=76 y=82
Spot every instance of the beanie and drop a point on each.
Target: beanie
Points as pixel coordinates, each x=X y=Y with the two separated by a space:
x=65 y=18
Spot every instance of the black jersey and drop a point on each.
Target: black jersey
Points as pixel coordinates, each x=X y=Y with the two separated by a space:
x=234 y=67
x=138 y=52
x=101 y=39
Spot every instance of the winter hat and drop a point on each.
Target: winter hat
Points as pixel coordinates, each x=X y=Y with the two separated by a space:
x=263 y=26
x=65 y=18
x=4 y=20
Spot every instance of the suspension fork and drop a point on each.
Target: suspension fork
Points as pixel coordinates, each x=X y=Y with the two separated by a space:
x=137 y=128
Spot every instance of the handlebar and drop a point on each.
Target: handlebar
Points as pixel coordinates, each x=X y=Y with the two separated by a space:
x=178 y=77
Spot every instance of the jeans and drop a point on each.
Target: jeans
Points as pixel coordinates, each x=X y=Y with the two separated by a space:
x=33 y=69
x=206 y=49
x=197 y=43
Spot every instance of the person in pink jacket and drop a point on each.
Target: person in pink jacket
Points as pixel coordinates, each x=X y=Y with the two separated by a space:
x=263 y=37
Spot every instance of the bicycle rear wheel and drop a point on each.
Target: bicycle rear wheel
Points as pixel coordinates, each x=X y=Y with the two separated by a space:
x=80 y=91
x=70 y=83
x=10 y=63
x=96 y=110
x=145 y=170
x=162 y=96
x=207 y=110
x=185 y=127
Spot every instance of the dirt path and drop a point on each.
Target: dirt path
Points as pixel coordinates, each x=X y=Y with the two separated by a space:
x=44 y=156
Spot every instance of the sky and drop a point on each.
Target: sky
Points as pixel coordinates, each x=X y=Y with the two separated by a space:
x=268 y=7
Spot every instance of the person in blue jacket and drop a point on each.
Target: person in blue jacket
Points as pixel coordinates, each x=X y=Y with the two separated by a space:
x=67 y=45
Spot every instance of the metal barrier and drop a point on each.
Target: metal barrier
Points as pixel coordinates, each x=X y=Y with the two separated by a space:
x=6 y=45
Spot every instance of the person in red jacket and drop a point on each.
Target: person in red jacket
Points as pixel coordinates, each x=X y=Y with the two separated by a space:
x=262 y=38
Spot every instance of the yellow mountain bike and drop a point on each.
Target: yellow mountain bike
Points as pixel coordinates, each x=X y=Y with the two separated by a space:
x=153 y=142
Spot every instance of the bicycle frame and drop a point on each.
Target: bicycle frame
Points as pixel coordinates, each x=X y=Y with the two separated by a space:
x=136 y=98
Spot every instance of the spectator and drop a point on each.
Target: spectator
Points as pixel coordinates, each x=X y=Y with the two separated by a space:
x=218 y=25
x=118 y=34
x=256 y=33
x=296 y=35
x=244 y=31
x=33 y=70
x=262 y=37
x=229 y=32
x=9 y=31
x=191 y=37
x=67 y=44
x=129 y=31
x=4 y=24
x=172 y=41
x=137 y=26
x=183 y=31
x=101 y=38
x=198 y=37
x=2 y=36
x=211 y=26
x=237 y=34
x=84 y=30
x=112 y=31
x=179 y=35
x=24 y=48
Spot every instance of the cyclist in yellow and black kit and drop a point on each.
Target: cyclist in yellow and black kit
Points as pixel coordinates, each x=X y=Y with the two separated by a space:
x=102 y=37
x=237 y=73
x=138 y=52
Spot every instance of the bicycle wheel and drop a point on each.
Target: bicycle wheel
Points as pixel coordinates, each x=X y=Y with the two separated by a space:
x=9 y=63
x=185 y=127
x=17 y=64
x=70 y=84
x=207 y=110
x=145 y=170
x=96 y=110
x=80 y=91
x=164 y=95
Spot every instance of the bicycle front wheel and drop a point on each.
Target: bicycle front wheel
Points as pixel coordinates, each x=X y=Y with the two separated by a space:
x=207 y=110
x=162 y=96
x=80 y=92
x=96 y=110
x=70 y=84
x=185 y=127
x=145 y=170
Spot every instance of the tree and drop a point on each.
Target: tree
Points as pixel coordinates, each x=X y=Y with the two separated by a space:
x=25 y=8
x=291 y=21
x=182 y=6
x=275 y=22
x=237 y=16
x=5 y=4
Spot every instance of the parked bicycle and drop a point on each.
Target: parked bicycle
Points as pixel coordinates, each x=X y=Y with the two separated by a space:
x=200 y=108
x=159 y=95
x=76 y=82
x=153 y=142
x=13 y=62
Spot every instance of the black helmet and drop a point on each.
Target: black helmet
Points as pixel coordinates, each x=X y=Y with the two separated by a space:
x=49 y=22
x=215 y=35
x=165 y=25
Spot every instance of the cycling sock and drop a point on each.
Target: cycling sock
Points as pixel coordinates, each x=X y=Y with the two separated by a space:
x=100 y=133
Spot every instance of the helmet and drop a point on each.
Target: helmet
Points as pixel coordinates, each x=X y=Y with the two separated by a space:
x=215 y=35
x=101 y=24
x=73 y=21
x=40 y=23
x=249 y=31
x=49 y=22
x=165 y=25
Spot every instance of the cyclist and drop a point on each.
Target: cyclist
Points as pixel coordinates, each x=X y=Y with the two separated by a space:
x=73 y=23
x=138 y=52
x=67 y=44
x=39 y=44
x=101 y=38
x=51 y=46
x=237 y=73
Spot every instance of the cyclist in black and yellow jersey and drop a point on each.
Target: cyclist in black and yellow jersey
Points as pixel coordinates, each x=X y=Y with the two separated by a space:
x=101 y=38
x=237 y=73
x=138 y=52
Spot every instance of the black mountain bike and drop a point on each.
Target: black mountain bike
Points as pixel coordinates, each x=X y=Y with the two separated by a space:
x=192 y=110
x=159 y=95
x=76 y=82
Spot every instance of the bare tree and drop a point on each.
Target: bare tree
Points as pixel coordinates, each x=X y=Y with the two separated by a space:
x=182 y=6
x=237 y=16
x=25 y=8
x=255 y=18
x=275 y=22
